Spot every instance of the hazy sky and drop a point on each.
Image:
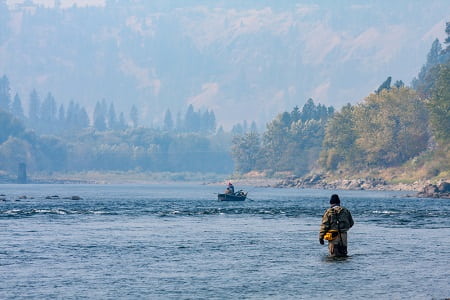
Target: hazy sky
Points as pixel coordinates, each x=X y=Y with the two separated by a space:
x=64 y=3
x=255 y=58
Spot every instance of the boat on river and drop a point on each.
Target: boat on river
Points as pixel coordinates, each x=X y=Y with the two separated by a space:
x=238 y=196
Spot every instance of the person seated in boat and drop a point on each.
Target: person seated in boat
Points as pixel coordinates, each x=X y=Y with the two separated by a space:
x=230 y=189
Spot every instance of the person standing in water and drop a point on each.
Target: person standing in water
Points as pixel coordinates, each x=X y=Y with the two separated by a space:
x=336 y=221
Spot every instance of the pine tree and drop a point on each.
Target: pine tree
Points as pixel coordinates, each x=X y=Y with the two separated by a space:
x=71 y=116
x=83 y=118
x=99 y=117
x=295 y=114
x=191 y=121
x=112 y=119
x=61 y=114
x=434 y=56
x=237 y=129
x=399 y=84
x=48 y=109
x=308 y=110
x=122 y=123
x=16 y=108
x=168 y=122
x=439 y=105
x=386 y=85
x=212 y=122
x=447 y=31
x=134 y=117
x=34 y=108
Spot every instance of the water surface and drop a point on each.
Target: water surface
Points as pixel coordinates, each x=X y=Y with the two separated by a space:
x=175 y=241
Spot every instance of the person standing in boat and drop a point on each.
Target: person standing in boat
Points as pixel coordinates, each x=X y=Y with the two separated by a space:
x=336 y=221
x=230 y=189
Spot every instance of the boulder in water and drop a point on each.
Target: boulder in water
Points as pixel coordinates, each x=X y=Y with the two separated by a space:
x=435 y=191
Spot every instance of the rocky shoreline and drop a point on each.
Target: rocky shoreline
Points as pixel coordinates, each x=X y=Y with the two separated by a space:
x=421 y=189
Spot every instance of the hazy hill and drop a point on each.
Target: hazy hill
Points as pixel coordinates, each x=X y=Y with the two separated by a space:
x=247 y=60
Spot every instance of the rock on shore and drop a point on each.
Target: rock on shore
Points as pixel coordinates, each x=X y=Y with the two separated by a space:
x=441 y=190
x=422 y=189
x=369 y=183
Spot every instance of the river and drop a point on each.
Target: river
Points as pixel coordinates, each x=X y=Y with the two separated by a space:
x=176 y=241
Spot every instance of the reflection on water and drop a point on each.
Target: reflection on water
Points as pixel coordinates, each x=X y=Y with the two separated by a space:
x=179 y=242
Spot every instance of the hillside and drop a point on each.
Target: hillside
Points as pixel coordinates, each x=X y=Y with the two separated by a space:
x=226 y=56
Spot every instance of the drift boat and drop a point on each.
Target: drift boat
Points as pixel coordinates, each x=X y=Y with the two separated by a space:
x=239 y=196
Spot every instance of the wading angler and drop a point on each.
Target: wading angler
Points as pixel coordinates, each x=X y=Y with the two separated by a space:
x=336 y=221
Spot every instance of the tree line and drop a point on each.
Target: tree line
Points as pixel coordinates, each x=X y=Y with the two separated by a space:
x=138 y=149
x=47 y=117
x=51 y=138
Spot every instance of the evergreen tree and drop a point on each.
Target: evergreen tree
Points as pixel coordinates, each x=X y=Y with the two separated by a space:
x=434 y=56
x=447 y=31
x=83 y=118
x=5 y=97
x=99 y=117
x=439 y=105
x=296 y=114
x=237 y=129
x=399 y=84
x=386 y=85
x=134 y=116
x=168 y=122
x=34 y=108
x=191 y=120
x=71 y=116
x=122 y=123
x=61 y=115
x=16 y=108
x=424 y=82
x=308 y=110
x=48 y=110
x=212 y=122
x=220 y=131
x=112 y=119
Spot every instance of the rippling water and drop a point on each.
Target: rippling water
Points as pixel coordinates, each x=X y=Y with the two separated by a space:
x=178 y=242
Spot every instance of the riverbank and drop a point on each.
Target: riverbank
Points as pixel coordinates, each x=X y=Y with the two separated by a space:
x=425 y=188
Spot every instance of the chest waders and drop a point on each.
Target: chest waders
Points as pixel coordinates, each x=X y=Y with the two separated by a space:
x=341 y=248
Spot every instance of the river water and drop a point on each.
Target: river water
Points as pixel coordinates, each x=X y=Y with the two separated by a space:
x=176 y=241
